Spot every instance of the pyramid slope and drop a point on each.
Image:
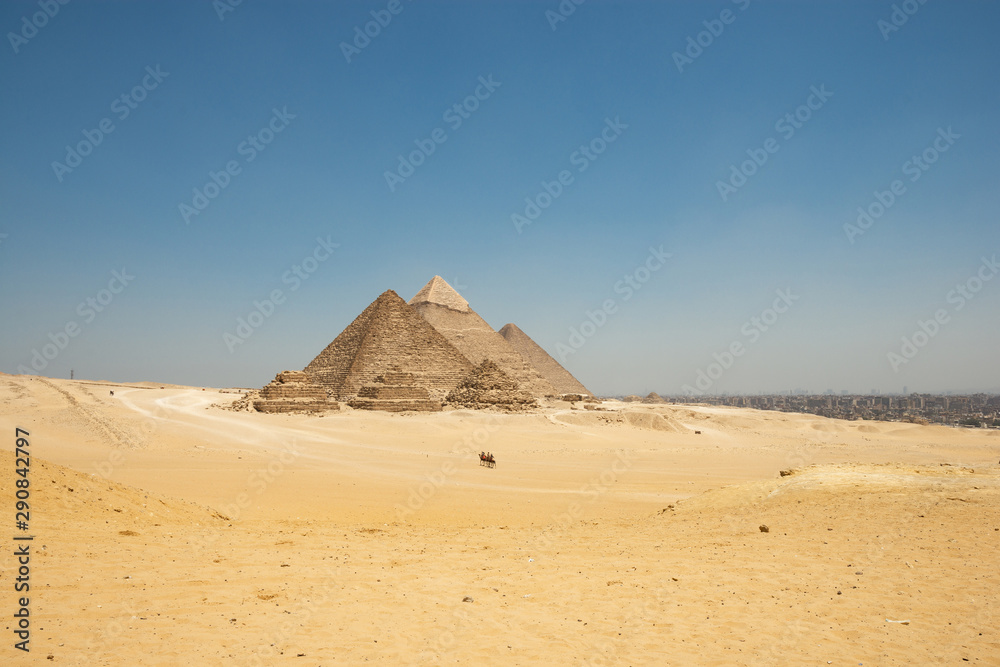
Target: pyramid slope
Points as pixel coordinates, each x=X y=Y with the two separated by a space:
x=474 y=338
x=388 y=333
x=549 y=368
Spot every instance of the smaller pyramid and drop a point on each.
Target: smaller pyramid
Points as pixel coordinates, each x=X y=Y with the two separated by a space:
x=487 y=386
x=395 y=391
x=293 y=391
x=653 y=397
x=549 y=368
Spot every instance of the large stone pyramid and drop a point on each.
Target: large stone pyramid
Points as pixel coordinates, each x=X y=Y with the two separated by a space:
x=451 y=315
x=388 y=333
x=550 y=369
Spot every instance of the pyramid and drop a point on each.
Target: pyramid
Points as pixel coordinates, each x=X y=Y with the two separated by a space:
x=395 y=391
x=293 y=391
x=550 y=369
x=388 y=333
x=450 y=314
x=489 y=387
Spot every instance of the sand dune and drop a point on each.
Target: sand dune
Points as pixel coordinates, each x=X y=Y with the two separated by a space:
x=617 y=537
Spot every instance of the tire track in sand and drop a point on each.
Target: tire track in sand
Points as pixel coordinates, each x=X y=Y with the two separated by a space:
x=112 y=433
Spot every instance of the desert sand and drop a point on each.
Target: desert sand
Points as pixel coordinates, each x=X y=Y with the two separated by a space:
x=171 y=532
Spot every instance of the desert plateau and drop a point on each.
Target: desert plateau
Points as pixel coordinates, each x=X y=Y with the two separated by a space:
x=169 y=531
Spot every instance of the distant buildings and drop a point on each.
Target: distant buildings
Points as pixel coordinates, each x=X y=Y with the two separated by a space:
x=981 y=409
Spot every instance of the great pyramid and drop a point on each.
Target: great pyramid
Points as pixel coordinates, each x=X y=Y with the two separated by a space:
x=450 y=314
x=388 y=333
x=550 y=369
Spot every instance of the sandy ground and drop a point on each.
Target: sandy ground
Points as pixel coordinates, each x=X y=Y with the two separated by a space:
x=169 y=532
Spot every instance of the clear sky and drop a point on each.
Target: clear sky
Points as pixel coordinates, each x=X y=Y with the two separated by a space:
x=211 y=154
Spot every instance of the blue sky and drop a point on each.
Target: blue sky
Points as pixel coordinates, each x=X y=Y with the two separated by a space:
x=199 y=83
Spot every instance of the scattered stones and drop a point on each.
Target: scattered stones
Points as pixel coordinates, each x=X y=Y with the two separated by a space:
x=786 y=473
x=241 y=404
x=764 y=528
x=467 y=599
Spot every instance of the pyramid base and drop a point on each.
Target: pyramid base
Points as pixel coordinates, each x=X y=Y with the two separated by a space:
x=390 y=405
x=292 y=405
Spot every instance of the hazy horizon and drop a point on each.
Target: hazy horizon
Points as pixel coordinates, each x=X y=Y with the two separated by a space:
x=653 y=192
